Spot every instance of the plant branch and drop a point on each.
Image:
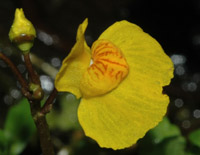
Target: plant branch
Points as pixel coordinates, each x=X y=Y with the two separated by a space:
x=17 y=73
x=48 y=104
x=15 y=70
x=42 y=128
x=32 y=73
x=38 y=117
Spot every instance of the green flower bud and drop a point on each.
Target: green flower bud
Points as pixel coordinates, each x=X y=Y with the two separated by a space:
x=37 y=92
x=22 y=31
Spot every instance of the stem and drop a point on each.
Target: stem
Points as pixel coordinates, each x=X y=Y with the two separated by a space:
x=44 y=134
x=38 y=117
x=33 y=75
x=17 y=73
x=14 y=69
x=42 y=128
x=48 y=104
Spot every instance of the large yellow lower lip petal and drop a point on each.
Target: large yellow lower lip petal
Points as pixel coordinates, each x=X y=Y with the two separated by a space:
x=118 y=119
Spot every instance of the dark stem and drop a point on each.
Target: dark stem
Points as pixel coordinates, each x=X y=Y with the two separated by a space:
x=32 y=73
x=48 y=104
x=15 y=70
x=42 y=128
x=17 y=73
x=38 y=117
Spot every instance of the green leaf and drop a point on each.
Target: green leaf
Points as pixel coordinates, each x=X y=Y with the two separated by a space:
x=193 y=150
x=164 y=130
x=19 y=127
x=164 y=139
x=174 y=146
x=2 y=141
x=170 y=146
x=194 y=137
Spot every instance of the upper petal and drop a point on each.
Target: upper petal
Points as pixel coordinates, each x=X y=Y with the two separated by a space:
x=74 y=65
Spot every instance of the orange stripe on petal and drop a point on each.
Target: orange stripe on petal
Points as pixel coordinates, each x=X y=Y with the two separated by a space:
x=109 y=68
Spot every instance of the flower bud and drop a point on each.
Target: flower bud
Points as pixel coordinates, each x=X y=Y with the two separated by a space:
x=37 y=92
x=22 y=31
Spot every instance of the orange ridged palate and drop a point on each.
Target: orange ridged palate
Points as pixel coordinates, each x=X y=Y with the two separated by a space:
x=108 y=69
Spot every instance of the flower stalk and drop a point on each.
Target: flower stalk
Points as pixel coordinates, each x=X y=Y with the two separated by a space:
x=17 y=73
x=33 y=75
x=48 y=104
x=38 y=114
x=42 y=128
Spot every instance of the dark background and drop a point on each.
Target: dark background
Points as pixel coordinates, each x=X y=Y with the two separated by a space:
x=174 y=23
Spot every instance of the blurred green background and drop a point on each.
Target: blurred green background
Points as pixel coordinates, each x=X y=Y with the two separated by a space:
x=174 y=23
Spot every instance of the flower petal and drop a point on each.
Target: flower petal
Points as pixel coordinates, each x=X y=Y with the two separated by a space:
x=74 y=65
x=118 y=119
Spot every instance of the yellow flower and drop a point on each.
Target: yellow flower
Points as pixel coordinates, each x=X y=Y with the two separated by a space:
x=22 y=31
x=119 y=81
